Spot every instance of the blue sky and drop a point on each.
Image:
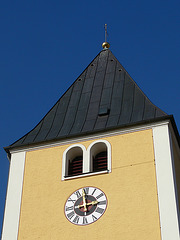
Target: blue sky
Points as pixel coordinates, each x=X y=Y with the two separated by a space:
x=45 y=45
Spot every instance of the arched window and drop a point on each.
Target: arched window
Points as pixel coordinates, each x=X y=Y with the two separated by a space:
x=73 y=161
x=78 y=162
x=99 y=156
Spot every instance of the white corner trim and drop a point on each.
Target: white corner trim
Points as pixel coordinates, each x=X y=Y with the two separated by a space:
x=166 y=185
x=13 y=198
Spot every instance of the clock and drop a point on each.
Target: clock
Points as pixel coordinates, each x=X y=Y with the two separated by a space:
x=85 y=206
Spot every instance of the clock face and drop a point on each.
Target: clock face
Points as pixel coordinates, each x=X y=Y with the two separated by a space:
x=86 y=205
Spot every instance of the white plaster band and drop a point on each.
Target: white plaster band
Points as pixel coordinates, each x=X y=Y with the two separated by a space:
x=166 y=183
x=13 y=197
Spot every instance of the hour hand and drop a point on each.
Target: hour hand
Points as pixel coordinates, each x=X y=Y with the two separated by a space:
x=92 y=203
x=87 y=204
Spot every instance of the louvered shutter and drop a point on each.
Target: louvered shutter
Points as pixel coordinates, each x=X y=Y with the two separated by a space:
x=75 y=166
x=100 y=162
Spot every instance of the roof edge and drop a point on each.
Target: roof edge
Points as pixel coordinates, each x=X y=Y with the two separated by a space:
x=56 y=101
x=156 y=120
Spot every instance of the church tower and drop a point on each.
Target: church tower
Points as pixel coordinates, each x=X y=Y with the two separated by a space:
x=104 y=163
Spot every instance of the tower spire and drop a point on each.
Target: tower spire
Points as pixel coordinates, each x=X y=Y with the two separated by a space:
x=105 y=26
x=105 y=44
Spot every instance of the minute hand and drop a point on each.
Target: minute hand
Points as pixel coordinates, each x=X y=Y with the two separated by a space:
x=84 y=200
x=92 y=203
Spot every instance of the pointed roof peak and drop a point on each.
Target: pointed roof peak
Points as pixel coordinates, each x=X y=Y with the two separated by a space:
x=102 y=98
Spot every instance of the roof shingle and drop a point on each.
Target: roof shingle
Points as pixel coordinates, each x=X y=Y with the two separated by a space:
x=103 y=97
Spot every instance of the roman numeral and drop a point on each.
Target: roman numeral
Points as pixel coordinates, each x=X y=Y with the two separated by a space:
x=71 y=200
x=100 y=195
x=99 y=210
x=77 y=194
x=76 y=219
x=70 y=215
x=102 y=202
x=69 y=208
x=94 y=218
x=93 y=191
x=86 y=190
x=85 y=221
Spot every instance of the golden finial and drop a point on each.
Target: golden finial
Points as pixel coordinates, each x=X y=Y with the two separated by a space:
x=105 y=44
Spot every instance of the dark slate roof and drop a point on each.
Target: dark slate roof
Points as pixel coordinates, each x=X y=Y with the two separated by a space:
x=103 y=97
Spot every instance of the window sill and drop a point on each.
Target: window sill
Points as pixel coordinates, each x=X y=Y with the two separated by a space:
x=85 y=174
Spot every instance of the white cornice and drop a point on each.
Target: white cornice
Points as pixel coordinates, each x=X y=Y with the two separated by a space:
x=89 y=137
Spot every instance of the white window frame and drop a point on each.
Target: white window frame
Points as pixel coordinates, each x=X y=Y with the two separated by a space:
x=87 y=163
x=65 y=160
x=89 y=154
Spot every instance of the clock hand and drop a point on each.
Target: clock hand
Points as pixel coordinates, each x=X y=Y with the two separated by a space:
x=84 y=200
x=90 y=203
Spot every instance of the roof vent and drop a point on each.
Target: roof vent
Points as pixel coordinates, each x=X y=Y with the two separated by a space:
x=103 y=111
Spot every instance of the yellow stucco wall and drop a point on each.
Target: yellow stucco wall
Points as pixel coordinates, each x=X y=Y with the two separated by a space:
x=132 y=211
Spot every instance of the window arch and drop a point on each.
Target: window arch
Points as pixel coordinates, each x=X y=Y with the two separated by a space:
x=99 y=153
x=73 y=161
